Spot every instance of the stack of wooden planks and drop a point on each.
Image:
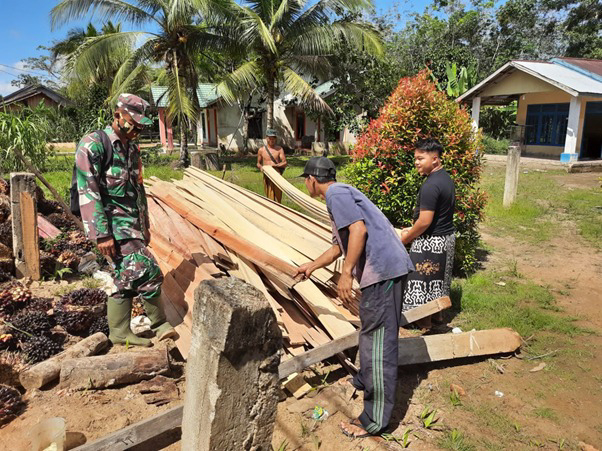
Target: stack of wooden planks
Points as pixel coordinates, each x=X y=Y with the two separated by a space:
x=203 y=227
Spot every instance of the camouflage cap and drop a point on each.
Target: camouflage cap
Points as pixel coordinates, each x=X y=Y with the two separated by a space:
x=136 y=108
x=270 y=132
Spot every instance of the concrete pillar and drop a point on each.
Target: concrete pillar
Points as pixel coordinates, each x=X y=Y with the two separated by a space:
x=162 y=132
x=476 y=110
x=572 y=132
x=232 y=369
x=25 y=225
x=199 y=130
x=512 y=171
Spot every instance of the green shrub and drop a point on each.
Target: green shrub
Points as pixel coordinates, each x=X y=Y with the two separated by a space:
x=383 y=166
x=494 y=146
x=25 y=130
x=497 y=121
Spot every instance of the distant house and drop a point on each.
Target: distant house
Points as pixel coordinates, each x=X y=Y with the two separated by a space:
x=219 y=124
x=31 y=96
x=559 y=104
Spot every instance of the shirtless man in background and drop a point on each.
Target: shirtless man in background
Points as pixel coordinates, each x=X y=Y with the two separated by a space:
x=271 y=155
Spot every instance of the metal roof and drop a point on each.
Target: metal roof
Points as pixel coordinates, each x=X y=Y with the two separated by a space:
x=562 y=76
x=32 y=90
x=206 y=92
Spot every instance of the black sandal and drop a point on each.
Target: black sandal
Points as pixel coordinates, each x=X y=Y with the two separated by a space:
x=356 y=422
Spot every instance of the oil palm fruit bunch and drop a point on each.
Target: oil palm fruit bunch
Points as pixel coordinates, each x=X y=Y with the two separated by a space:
x=61 y=221
x=76 y=311
x=27 y=325
x=69 y=259
x=11 y=364
x=13 y=297
x=40 y=348
x=39 y=305
x=6 y=234
x=11 y=404
x=100 y=324
x=47 y=263
x=8 y=342
x=4 y=187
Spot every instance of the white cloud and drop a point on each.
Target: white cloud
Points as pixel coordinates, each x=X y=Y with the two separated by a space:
x=20 y=65
x=6 y=88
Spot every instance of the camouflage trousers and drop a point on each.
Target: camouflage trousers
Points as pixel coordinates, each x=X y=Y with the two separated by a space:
x=136 y=271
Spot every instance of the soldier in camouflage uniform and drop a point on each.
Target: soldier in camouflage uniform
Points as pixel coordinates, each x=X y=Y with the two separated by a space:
x=114 y=212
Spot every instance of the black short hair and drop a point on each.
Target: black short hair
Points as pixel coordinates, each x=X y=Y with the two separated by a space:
x=325 y=179
x=429 y=145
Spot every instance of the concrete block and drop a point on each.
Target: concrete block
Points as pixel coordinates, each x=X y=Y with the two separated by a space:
x=232 y=370
x=568 y=157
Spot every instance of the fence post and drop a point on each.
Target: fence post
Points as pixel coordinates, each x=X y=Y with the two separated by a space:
x=232 y=369
x=25 y=225
x=512 y=171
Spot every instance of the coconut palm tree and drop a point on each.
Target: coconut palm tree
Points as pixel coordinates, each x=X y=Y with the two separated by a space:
x=289 y=40
x=172 y=35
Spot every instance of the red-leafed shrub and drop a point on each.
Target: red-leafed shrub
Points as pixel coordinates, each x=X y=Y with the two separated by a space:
x=383 y=166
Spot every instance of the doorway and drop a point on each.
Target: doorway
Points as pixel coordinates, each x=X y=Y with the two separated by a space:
x=591 y=142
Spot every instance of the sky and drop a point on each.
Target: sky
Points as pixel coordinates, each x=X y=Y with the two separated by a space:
x=26 y=25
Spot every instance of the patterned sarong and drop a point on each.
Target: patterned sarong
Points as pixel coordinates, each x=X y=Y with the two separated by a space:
x=433 y=258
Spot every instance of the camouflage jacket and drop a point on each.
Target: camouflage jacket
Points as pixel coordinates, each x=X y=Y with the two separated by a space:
x=113 y=202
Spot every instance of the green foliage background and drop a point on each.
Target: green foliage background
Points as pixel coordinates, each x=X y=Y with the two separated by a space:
x=383 y=166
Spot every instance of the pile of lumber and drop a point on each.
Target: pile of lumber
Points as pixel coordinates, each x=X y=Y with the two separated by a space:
x=204 y=227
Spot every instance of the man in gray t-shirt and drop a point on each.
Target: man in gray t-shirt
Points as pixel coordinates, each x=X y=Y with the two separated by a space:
x=375 y=256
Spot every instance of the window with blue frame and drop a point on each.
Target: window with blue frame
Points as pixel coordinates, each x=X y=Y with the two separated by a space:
x=546 y=124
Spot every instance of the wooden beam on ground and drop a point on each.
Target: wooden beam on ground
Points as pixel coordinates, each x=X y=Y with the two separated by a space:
x=138 y=432
x=351 y=340
x=435 y=348
x=413 y=350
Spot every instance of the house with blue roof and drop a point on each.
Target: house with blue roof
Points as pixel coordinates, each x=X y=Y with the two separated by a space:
x=559 y=105
x=220 y=125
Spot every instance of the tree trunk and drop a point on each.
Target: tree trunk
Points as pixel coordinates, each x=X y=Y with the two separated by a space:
x=113 y=369
x=270 y=100
x=245 y=132
x=44 y=372
x=184 y=155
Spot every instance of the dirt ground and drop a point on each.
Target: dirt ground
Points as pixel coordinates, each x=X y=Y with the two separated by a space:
x=552 y=409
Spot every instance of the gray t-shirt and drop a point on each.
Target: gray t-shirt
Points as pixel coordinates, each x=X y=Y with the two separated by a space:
x=384 y=257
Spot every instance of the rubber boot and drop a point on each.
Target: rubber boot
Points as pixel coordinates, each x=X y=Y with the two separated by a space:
x=159 y=325
x=119 y=312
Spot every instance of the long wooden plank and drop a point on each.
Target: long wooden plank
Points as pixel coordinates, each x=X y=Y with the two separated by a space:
x=349 y=341
x=285 y=271
x=334 y=322
x=311 y=205
x=138 y=432
x=413 y=350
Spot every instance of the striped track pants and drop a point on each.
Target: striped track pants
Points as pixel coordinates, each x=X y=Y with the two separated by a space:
x=380 y=311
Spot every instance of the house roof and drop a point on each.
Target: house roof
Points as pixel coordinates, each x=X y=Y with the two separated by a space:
x=323 y=90
x=32 y=90
x=206 y=92
x=561 y=73
x=591 y=68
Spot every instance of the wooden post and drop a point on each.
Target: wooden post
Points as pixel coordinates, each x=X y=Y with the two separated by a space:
x=25 y=225
x=512 y=170
x=232 y=371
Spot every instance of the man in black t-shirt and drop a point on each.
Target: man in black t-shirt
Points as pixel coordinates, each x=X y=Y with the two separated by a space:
x=433 y=234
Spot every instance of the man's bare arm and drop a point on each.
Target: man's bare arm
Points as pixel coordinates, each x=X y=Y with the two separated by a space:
x=259 y=158
x=282 y=156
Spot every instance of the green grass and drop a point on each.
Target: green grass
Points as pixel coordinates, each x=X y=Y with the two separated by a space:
x=545 y=412
x=456 y=441
x=540 y=205
x=521 y=304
